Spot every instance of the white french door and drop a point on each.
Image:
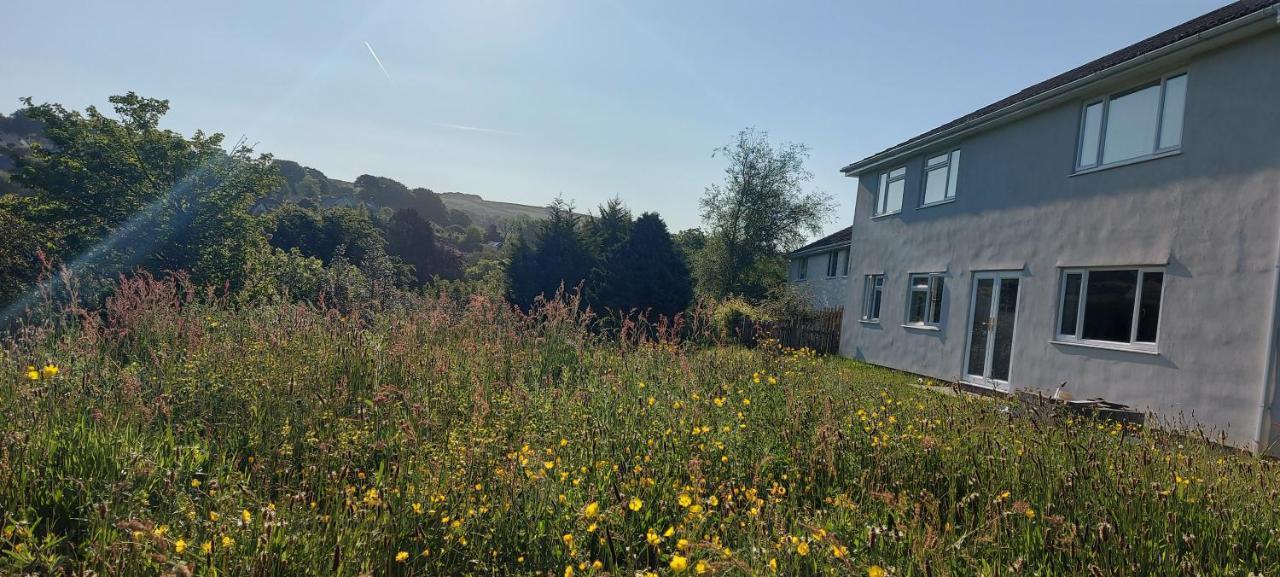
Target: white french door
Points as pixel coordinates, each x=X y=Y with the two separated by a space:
x=992 y=316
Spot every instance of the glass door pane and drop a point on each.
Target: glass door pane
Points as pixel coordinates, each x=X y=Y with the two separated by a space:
x=982 y=294
x=1006 y=311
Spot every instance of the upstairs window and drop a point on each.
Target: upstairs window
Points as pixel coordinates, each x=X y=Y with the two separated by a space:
x=833 y=263
x=1136 y=123
x=889 y=196
x=1111 y=306
x=802 y=268
x=872 y=292
x=844 y=263
x=924 y=302
x=940 y=174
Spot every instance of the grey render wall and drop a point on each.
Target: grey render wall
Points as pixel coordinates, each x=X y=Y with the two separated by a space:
x=822 y=291
x=1211 y=212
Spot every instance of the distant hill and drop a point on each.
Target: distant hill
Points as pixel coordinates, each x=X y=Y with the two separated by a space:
x=482 y=210
x=305 y=183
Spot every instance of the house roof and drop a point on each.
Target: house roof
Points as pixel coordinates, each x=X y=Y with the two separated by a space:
x=1224 y=15
x=838 y=238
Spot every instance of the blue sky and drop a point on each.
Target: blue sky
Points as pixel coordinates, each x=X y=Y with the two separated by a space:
x=523 y=101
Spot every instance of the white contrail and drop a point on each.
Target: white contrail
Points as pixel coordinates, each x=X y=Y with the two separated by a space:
x=476 y=129
x=378 y=60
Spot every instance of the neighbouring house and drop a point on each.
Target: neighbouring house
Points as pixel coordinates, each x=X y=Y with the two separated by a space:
x=820 y=270
x=1115 y=228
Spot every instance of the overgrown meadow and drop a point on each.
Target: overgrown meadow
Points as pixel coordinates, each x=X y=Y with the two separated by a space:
x=169 y=434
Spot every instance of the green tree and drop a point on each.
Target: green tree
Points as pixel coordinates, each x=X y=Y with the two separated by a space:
x=121 y=192
x=411 y=238
x=689 y=241
x=560 y=255
x=646 y=272
x=610 y=229
x=759 y=212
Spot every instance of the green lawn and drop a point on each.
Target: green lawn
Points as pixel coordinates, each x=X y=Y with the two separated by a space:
x=447 y=439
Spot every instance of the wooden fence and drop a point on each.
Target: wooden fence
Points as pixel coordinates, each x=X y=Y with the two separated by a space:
x=819 y=331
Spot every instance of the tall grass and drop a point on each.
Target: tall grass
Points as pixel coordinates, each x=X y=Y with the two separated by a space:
x=182 y=436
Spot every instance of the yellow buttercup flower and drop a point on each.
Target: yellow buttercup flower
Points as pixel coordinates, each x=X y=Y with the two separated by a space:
x=228 y=542
x=684 y=499
x=402 y=556
x=49 y=371
x=679 y=564
x=206 y=547
x=635 y=504
x=802 y=548
x=179 y=546
x=701 y=568
x=876 y=571
x=246 y=516
x=33 y=374
x=592 y=509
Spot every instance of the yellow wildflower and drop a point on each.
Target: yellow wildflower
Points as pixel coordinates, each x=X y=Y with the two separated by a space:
x=802 y=548
x=49 y=371
x=228 y=542
x=635 y=504
x=206 y=547
x=402 y=556
x=684 y=499
x=33 y=374
x=773 y=564
x=179 y=546
x=679 y=564
x=592 y=509
x=246 y=516
x=875 y=571
x=701 y=568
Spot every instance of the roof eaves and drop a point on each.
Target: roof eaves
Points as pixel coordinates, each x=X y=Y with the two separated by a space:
x=965 y=125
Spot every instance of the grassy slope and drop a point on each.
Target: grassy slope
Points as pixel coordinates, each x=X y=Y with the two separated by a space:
x=478 y=441
x=486 y=211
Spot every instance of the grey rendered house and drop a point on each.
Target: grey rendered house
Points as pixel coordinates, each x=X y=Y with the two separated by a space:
x=1115 y=228
x=820 y=270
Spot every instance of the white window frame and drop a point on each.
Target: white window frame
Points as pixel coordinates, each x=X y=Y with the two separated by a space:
x=935 y=281
x=952 y=166
x=872 y=285
x=881 y=207
x=1133 y=344
x=833 y=263
x=1105 y=100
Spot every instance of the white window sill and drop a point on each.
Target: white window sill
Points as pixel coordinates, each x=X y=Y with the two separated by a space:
x=921 y=327
x=1142 y=349
x=880 y=216
x=869 y=321
x=1120 y=163
x=939 y=202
